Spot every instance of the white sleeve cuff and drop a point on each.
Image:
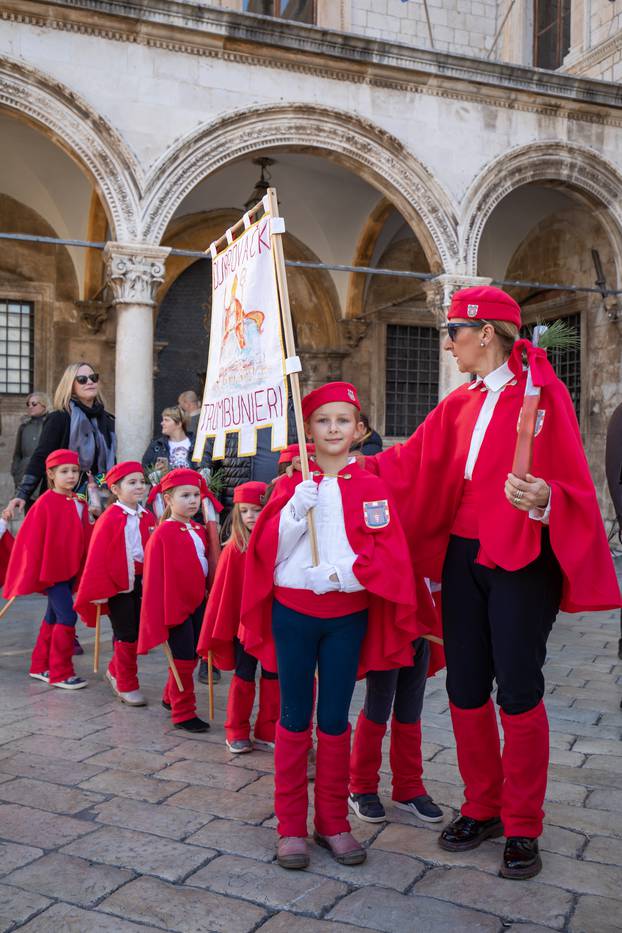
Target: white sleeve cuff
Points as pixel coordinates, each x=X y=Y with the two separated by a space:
x=348 y=582
x=542 y=515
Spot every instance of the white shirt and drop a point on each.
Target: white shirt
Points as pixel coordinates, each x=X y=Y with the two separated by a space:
x=294 y=550
x=198 y=544
x=133 y=540
x=494 y=384
x=178 y=453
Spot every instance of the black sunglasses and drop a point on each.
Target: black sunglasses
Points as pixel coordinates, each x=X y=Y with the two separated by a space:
x=452 y=329
x=92 y=377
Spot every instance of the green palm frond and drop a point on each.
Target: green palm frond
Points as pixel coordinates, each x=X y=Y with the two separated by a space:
x=559 y=336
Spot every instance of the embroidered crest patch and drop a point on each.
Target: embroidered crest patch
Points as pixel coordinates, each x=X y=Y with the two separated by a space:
x=472 y=310
x=376 y=513
x=541 y=412
x=351 y=395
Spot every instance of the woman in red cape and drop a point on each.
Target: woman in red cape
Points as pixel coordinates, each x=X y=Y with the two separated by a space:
x=47 y=557
x=357 y=609
x=510 y=551
x=221 y=633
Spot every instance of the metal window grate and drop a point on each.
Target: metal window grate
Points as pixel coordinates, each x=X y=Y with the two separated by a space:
x=301 y=10
x=16 y=347
x=412 y=371
x=551 y=37
x=567 y=363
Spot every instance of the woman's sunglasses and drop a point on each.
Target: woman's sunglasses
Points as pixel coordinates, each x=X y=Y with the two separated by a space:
x=92 y=377
x=452 y=329
x=33 y=403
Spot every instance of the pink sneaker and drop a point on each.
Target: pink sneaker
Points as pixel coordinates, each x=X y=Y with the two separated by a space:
x=343 y=847
x=292 y=852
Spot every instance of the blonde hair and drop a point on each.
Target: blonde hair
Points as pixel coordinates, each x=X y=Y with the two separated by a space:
x=240 y=534
x=43 y=397
x=175 y=413
x=64 y=390
x=506 y=332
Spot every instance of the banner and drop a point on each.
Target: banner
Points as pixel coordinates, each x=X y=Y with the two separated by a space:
x=246 y=385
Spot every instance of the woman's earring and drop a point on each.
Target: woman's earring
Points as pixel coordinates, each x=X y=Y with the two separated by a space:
x=482 y=344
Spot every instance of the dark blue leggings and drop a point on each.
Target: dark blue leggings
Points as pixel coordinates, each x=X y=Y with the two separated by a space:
x=183 y=639
x=60 y=604
x=246 y=664
x=333 y=645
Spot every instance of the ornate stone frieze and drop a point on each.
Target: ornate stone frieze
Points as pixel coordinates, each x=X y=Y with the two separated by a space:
x=353 y=330
x=93 y=313
x=134 y=272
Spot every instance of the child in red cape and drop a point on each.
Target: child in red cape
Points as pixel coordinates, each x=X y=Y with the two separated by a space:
x=175 y=570
x=113 y=575
x=48 y=555
x=357 y=610
x=220 y=633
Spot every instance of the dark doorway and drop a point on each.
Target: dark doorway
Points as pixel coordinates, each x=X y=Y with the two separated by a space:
x=182 y=331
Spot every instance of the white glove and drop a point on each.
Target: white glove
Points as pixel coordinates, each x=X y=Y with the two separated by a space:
x=319 y=580
x=304 y=498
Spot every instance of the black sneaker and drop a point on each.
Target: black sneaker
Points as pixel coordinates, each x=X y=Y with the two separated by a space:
x=192 y=725
x=367 y=807
x=423 y=807
x=204 y=676
x=167 y=705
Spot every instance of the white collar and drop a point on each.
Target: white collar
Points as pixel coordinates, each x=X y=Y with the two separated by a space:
x=495 y=380
x=128 y=511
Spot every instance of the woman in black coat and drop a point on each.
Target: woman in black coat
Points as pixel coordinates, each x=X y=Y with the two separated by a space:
x=28 y=437
x=78 y=422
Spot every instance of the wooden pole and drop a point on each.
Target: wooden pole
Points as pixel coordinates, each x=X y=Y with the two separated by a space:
x=434 y=638
x=7 y=606
x=98 y=618
x=290 y=346
x=171 y=663
x=210 y=683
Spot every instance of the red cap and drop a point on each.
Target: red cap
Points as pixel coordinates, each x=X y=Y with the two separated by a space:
x=484 y=302
x=116 y=473
x=181 y=477
x=292 y=451
x=61 y=457
x=331 y=392
x=249 y=492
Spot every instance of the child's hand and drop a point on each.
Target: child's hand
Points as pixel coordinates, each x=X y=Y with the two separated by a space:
x=305 y=497
x=321 y=579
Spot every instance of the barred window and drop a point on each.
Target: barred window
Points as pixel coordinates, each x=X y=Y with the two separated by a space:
x=567 y=363
x=412 y=370
x=303 y=11
x=16 y=347
x=551 y=38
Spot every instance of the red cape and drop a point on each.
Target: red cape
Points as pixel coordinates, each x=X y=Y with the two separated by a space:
x=6 y=546
x=222 y=613
x=106 y=571
x=426 y=476
x=400 y=608
x=50 y=546
x=173 y=583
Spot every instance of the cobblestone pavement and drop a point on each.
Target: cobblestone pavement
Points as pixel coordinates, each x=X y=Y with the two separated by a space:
x=112 y=821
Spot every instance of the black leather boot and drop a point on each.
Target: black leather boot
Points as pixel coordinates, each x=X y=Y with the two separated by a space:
x=521 y=858
x=466 y=833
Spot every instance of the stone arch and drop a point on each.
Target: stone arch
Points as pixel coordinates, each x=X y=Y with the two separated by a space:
x=357 y=144
x=581 y=170
x=85 y=136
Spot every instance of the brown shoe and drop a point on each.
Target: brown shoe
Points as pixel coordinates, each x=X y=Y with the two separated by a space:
x=292 y=852
x=343 y=847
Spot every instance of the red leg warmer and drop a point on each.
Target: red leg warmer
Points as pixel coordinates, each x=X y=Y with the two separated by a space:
x=269 y=709
x=331 y=783
x=406 y=761
x=184 y=704
x=61 y=651
x=291 y=801
x=525 y=766
x=40 y=660
x=239 y=708
x=125 y=666
x=479 y=760
x=366 y=757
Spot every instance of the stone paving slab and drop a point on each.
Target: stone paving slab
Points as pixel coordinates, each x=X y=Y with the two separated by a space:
x=67 y=918
x=132 y=785
x=13 y=855
x=36 y=827
x=388 y=911
x=22 y=764
x=596 y=915
x=16 y=905
x=46 y=796
x=71 y=879
x=170 y=822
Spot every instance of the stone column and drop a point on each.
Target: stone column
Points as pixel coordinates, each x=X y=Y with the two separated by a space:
x=134 y=272
x=438 y=295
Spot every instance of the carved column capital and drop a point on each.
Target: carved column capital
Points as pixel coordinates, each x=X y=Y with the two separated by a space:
x=134 y=271
x=440 y=290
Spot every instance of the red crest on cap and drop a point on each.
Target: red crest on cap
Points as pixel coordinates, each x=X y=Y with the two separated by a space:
x=331 y=392
x=182 y=476
x=118 y=472
x=249 y=492
x=484 y=303
x=61 y=457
